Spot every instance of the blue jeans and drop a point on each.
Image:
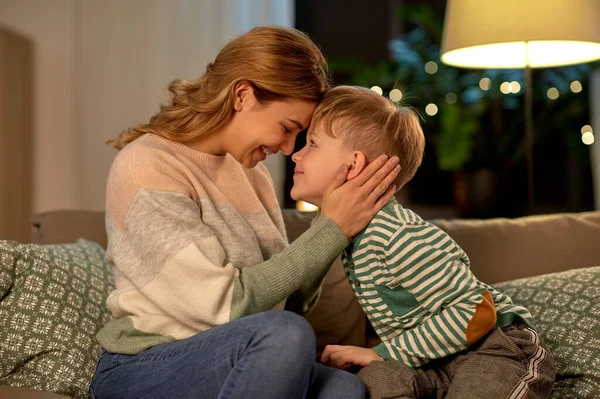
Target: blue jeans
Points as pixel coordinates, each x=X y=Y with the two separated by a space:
x=266 y=355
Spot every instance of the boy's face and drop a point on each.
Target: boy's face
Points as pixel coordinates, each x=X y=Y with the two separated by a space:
x=316 y=164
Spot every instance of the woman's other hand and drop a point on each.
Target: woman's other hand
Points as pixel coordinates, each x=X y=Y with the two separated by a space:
x=352 y=204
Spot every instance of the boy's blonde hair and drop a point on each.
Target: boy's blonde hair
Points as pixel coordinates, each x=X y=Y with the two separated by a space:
x=368 y=122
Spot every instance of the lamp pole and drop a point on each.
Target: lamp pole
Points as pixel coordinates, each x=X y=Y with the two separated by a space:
x=529 y=130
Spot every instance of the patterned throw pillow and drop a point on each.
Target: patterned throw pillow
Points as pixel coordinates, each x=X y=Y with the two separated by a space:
x=566 y=312
x=52 y=303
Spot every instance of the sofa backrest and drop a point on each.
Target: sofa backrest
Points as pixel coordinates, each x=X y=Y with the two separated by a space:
x=506 y=249
x=65 y=226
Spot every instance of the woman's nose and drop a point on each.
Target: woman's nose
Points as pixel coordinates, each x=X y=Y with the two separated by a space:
x=287 y=147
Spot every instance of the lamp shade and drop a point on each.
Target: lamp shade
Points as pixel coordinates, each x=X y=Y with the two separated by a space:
x=520 y=33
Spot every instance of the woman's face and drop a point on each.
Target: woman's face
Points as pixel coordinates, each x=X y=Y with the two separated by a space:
x=259 y=130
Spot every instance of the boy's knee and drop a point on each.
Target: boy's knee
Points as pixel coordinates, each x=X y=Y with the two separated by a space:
x=389 y=377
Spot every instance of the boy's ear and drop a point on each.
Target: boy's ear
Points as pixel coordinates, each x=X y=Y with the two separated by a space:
x=359 y=162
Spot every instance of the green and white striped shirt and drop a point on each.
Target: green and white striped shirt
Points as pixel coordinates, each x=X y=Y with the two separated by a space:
x=414 y=283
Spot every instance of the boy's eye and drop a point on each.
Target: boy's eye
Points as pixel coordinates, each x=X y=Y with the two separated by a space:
x=311 y=143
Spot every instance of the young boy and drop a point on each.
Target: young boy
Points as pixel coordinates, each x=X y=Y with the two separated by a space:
x=444 y=333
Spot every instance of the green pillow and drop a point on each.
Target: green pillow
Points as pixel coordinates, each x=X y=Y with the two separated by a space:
x=565 y=309
x=52 y=303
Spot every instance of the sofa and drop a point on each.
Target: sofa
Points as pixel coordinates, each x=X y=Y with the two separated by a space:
x=52 y=294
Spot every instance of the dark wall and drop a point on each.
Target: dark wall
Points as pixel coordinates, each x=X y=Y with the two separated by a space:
x=344 y=28
x=349 y=27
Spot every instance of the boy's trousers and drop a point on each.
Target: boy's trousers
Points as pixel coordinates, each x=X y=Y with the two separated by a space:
x=510 y=362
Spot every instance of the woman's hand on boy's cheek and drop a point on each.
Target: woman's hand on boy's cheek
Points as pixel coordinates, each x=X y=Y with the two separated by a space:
x=345 y=356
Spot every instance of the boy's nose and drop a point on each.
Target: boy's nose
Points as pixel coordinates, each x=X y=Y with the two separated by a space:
x=298 y=155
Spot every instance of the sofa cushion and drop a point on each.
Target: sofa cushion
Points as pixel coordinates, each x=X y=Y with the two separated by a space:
x=52 y=298
x=505 y=249
x=566 y=313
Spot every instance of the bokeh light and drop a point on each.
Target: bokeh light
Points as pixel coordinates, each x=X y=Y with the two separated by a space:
x=451 y=98
x=431 y=67
x=515 y=87
x=505 y=88
x=485 y=84
x=377 y=90
x=552 y=93
x=395 y=95
x=587 y=138
x=431 y=109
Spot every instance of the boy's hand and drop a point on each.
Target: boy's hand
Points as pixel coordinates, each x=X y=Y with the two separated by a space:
x=345 y=356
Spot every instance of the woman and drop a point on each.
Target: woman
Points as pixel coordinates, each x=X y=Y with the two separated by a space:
x=197 y=242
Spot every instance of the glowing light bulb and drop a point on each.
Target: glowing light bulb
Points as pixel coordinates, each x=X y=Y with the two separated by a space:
x=576 y=86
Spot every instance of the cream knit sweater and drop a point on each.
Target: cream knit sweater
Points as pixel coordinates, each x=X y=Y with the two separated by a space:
x=196 y=240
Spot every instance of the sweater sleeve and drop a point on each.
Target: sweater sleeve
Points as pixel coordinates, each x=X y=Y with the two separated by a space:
x=305 y=299
x=424 y=261
x=300 y=267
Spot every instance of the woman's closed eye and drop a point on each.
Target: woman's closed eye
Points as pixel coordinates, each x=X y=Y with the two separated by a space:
x=286 y=130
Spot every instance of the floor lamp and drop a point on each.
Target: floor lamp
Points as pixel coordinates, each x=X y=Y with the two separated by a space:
x=521 y=34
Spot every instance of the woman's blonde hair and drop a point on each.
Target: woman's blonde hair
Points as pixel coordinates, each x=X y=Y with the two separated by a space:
x=279 y=63
x=368 y=122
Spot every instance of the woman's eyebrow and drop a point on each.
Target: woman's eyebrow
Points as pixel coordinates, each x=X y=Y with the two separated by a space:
x=295 y=122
